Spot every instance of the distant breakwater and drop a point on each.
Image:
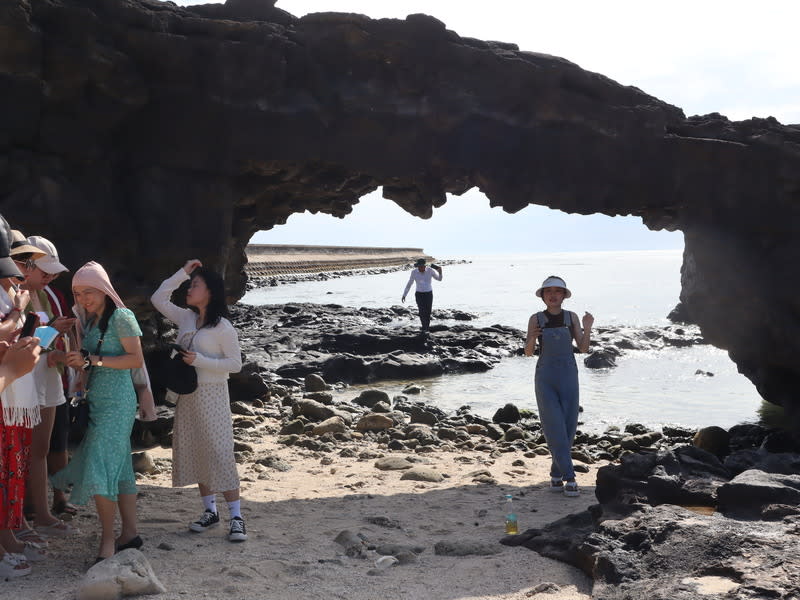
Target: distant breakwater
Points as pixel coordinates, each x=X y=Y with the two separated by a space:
x=267 y=260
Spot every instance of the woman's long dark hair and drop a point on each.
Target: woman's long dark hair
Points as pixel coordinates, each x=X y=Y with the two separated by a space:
x=216 y=309
x=107 y=312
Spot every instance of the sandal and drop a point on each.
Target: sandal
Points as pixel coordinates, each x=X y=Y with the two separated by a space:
x=57 y=529
x=571 y=489
x=64 y=508
x=12 y=566
x=29 y=535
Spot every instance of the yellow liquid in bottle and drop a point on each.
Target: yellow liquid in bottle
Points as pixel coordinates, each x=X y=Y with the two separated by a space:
x=511 y=527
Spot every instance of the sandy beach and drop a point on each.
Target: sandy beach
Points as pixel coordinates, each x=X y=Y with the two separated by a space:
x=294 y=516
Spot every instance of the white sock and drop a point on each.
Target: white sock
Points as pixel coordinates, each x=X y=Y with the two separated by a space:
x=210 y=502
x=235 y=508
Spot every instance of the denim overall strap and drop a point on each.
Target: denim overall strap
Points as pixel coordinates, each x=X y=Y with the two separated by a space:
x=556 y=385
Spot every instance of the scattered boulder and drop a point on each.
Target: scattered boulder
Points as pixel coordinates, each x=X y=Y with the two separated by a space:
x=713 y=439
x=368 y=398
x=333 y=425
x=315 y=383
x=143 y=463
x=508 y=414
x=422 y=474
x=316 y=411
x=393 y=463
x=374 y=422
x=127 y=573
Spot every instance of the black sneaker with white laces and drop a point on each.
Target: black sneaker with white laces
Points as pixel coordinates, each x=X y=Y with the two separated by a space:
x=237 y=533
x=206 y=521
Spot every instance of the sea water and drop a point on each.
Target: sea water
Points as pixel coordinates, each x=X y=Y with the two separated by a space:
x=633 y=288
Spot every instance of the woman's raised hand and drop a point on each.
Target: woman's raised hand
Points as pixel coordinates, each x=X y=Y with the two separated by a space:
x=588 y=320
x=21 y=299
x=191 y=265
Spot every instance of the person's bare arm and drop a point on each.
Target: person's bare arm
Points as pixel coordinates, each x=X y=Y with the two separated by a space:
x=582 y=335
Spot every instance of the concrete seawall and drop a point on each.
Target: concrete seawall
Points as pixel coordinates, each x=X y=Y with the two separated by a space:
x=264 y=260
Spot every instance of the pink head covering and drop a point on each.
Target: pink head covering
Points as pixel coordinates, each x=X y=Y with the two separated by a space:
x=93 y=275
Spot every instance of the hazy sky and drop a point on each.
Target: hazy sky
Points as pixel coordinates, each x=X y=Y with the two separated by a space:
x=733 y=57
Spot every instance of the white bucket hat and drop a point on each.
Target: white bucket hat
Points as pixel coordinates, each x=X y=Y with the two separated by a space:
x=49 y=262
x=554 y=281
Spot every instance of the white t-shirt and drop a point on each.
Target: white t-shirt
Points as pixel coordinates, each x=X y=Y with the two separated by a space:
x=422 y=279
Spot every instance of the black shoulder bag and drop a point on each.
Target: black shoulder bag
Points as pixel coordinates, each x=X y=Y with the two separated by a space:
x=180 y=377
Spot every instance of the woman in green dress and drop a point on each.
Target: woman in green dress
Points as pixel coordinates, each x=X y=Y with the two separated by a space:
x=101 y=466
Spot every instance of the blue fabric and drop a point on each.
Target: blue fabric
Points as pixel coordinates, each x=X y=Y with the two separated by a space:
x=556 y=384
x=102 y=463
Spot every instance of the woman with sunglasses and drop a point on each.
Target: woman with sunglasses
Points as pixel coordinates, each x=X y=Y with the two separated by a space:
x=39 y=272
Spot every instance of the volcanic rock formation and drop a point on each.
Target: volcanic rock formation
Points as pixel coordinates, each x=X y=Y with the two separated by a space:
x=139 y=133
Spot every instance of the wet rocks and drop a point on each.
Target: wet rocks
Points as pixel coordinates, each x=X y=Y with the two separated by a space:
x=507 y=414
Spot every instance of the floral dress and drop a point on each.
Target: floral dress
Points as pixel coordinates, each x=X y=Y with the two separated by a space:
x=102 y=463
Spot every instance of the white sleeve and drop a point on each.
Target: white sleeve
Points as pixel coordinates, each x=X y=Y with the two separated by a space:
x=161 y=297
x=408 y=285
x=231 y=361
x=436 y=275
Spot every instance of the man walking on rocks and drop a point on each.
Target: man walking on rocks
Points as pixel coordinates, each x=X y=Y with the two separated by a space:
x=421 y=276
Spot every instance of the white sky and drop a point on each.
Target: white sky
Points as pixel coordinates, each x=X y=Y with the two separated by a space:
x=733 y=57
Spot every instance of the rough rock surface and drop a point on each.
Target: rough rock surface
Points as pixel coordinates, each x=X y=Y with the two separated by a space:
x=187 y=129
x=739 y=540
x=670 y=553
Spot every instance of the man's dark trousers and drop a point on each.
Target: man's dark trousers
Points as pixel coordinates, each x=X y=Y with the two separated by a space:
x=424 y=304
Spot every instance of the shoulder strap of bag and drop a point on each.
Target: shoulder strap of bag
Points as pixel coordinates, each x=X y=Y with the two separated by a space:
x=91 y=367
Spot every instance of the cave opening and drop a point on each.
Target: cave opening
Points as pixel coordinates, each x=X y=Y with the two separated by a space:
x=625 y=274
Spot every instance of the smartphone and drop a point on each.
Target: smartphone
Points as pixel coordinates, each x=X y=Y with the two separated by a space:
x=30 y=325
x=175 y=350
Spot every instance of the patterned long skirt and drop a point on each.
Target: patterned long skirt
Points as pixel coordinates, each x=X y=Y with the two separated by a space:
x=202 y=439
x=15 y=451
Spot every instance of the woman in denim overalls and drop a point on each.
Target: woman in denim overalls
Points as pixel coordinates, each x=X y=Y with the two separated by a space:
x=556 y=379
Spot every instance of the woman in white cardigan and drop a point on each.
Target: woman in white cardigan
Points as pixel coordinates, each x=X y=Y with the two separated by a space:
x=202 y=440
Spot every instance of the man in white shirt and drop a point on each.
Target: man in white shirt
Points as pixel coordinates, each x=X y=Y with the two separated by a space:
x=422 y=276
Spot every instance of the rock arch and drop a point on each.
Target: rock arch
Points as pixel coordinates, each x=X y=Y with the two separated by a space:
x=137 y=132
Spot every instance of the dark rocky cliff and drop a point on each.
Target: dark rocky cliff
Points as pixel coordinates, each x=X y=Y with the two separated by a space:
x=139 y=133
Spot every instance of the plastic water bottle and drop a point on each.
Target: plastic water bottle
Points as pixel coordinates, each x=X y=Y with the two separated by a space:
x=512 y=527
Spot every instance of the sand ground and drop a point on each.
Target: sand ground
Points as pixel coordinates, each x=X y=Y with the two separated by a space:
x=294 y=516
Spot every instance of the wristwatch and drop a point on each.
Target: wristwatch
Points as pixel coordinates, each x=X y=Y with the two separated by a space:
x=99 y=362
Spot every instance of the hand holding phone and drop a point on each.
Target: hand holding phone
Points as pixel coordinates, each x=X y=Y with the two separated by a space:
x=31 y=320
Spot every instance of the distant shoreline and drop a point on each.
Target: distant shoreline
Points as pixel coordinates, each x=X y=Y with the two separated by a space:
x=290 y=275
x=268 y=260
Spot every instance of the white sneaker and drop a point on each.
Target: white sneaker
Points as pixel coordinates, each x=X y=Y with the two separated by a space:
x=571 y=489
